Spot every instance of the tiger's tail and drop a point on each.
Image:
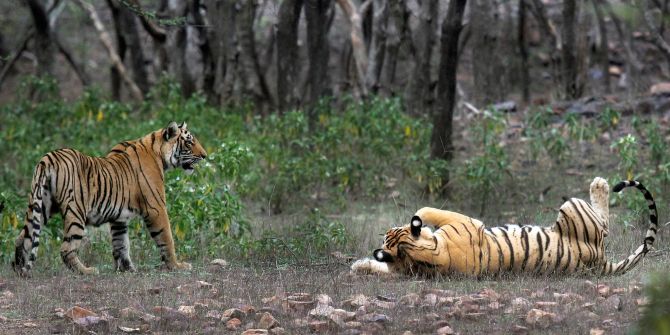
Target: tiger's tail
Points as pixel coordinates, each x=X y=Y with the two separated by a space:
x=36 y=217
x=632 y=260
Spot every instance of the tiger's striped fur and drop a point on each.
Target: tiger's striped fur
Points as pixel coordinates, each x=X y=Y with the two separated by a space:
x=460 y=244
x=126 y=183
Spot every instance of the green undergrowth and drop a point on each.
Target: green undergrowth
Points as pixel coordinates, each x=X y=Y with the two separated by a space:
x=276 y=168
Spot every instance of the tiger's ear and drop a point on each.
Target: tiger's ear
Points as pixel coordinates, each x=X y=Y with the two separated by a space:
x=170 y=131
x=382 y=256
x=183 y=126
x=415 y=225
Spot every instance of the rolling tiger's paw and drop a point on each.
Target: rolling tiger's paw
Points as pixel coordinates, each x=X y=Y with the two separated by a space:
x=368 y=266
x=599 y=189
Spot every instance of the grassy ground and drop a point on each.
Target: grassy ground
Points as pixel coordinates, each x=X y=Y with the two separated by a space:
x=31 y=306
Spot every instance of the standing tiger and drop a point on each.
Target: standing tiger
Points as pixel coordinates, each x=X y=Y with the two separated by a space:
x=460 y=244
x=86 y=190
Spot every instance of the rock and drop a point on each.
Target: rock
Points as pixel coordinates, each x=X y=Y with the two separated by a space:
x=267 y=321
x=319 y=326
x=431 y=317
x=660 y=88
x=203 y=284
x=588 y=306
x=603 y=290
x=233 y=324
x=278 y=331
x=544 y=304
x=255 y=332
x=91 y=321
x=358 y=300
x=29 y=325
x=220 y=262
x=539 y=318
x=407 y=332
x=301 y=322
x=505 y=107
x=519 y=304
x=247 y=309
x=374 y=317
x=353 y=324
x=596 y=331
x=409 y=300
x=77 y=312
x=446 y=330
x=591 y=316
x=234 y=313
x=188 y=311
x=214 y=314
x=384 y=304
x=321 y=310
x=517 y=329
x=155 y=290
x=429 y=300
x=613 y=303
x=324 y=299
x=129 y=330
x=130 y=313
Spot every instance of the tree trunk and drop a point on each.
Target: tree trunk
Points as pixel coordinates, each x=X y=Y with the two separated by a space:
x=441 y=145
x=419 y=97
x=44 y=48
x=572 y=89
x=120 y=49
x=603 y=52
x=357 y=42
x=254 y=85
x=317 y=14
x=204 y=44
x=287 y=53
x=178 y=47
x=398 y=28
x=377 y=49
x=523 y=52
x=485 y=69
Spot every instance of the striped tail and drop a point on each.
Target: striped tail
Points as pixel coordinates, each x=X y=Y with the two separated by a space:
x=632 y=260
x=36 y=217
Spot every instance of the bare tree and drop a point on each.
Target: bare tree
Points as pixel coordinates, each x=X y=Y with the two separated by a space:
x=398 y=28
x=287 y=52
x=253 y=81
x=357 y=42
x=318 y=14
x=572 y=88
x=523 y=51
x=128 y=41
x=178 y=39
x=486 y=70
x=419 y=97
x=44 y=47
x=603 y=47
x=441 y=145
x=377 y=49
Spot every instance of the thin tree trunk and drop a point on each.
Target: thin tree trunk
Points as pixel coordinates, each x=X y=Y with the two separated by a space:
x=206 y=52
x=131 y=35
x=441 y=145
x=657 y=39
x=107 y=42
x=253 y=82
x=317 y=13
x=419 y=96
x=523 y=52
x=484 y=51
x=572 y=89
x=603 y=52
x=357 y=42
x=398 y=29
x=78 y=68
x=43 y=45
x=377 y=49
x=120 y=49
x=287 y=53
x=178 y=47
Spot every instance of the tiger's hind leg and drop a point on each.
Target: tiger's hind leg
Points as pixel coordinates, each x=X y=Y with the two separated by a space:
x=74 y=233
x=599 y=192
x=121 y=245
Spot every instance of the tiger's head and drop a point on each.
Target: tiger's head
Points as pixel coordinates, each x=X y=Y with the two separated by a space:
x=403 y=246
x=180 y=148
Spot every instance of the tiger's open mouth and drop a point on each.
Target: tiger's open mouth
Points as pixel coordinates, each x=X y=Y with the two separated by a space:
x=189 y=165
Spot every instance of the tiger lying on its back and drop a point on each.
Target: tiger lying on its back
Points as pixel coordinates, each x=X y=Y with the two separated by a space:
x=128 y=182
x=460 y=244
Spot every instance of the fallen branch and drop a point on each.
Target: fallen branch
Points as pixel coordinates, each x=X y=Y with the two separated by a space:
x=107 y=42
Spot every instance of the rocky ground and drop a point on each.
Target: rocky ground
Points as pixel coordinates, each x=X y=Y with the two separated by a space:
x=320 y=298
